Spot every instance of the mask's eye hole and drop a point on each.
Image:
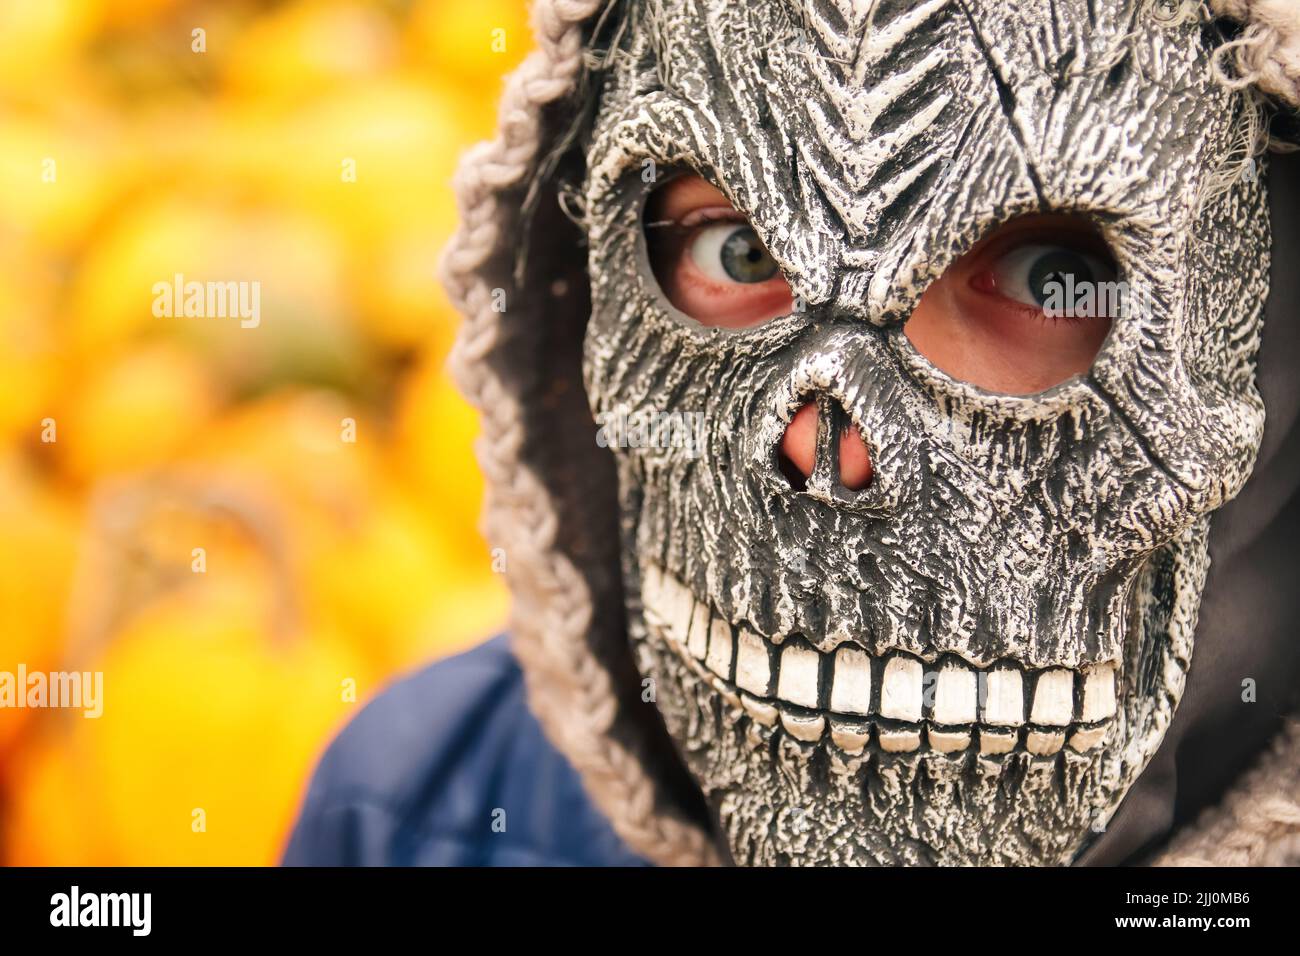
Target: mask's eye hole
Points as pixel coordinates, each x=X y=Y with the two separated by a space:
x=708 y=260
x=1026 y=309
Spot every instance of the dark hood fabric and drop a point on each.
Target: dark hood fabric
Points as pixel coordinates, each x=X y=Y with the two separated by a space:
x=1249 y=625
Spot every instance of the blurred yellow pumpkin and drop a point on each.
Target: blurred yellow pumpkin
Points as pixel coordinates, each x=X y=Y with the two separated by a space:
x=37 y=554
x=37 y=40
x=433 y=447
x=56 y=175
x=247 y=526
x=290 y=266
x=475 y=42
x=133 y=411
x=215 y=782
x=307 y=49
x=29 y=367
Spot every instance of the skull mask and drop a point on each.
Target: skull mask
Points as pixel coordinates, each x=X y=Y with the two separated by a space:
x=971 y=659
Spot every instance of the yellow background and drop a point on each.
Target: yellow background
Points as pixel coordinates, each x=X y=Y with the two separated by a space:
x=126 y=157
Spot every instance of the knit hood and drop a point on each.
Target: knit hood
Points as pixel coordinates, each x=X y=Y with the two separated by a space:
x=517 y=271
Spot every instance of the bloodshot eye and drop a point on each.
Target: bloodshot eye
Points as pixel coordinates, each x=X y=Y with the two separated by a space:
x=709 y=261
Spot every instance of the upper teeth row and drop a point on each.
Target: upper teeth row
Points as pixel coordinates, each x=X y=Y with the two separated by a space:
x=850 y=683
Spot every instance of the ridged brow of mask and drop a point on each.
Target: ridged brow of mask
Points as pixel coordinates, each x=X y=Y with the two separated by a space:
x=663 y=129
x=1072 y=112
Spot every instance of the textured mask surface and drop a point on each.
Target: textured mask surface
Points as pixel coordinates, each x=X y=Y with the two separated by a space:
x=970 y=660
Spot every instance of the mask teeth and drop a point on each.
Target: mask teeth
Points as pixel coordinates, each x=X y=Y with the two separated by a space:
x=893 y=700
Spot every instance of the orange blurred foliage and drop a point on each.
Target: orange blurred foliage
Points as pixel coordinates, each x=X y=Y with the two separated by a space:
x=248 y=528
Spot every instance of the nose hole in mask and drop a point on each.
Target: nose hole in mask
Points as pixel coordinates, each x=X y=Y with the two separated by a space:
x=822 y=451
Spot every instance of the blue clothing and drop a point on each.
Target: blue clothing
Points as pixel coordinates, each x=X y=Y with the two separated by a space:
x=449 y=767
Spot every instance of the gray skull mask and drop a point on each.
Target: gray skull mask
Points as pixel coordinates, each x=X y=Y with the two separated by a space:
x=971 y=659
